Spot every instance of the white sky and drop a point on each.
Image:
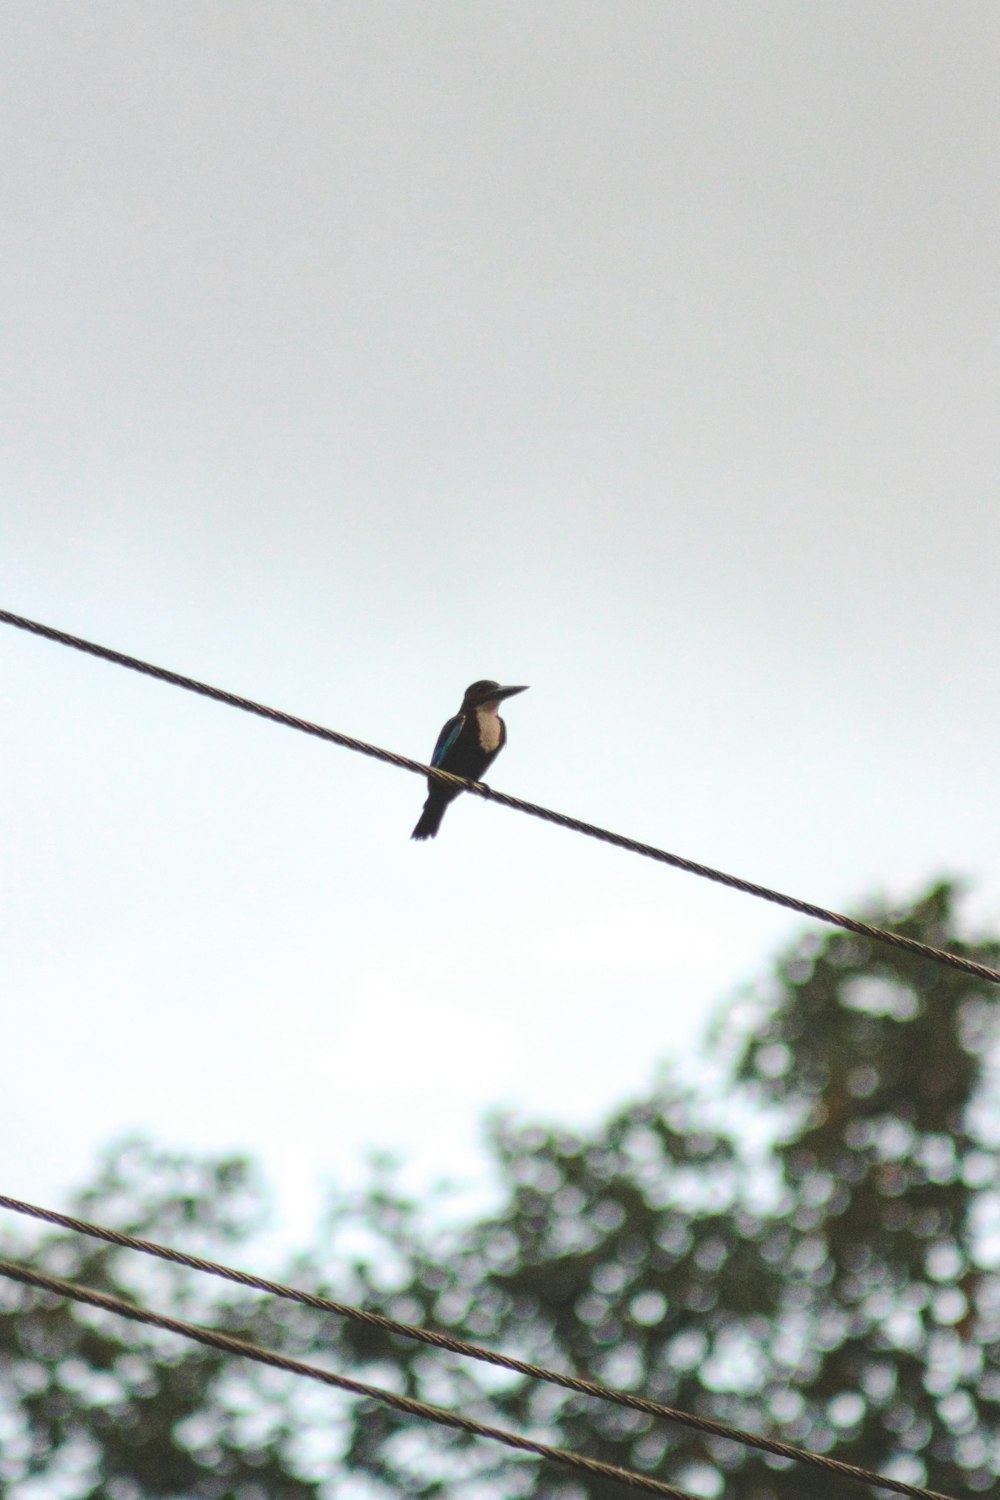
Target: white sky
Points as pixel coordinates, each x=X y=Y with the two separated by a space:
x=647 y=354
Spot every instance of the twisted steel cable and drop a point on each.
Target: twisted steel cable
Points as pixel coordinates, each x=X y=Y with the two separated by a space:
x=410 y=1407
x=467 y=1350
x=480 y=789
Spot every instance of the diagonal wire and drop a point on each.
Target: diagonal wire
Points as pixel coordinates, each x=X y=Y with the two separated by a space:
x=405 y=1404
x=474 y=1351
x=533 y=810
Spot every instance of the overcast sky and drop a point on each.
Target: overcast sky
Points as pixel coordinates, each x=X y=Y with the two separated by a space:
x=647 y=354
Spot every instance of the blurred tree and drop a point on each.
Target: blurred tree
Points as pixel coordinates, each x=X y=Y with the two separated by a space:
x=806 y=1243
x=94 y=1406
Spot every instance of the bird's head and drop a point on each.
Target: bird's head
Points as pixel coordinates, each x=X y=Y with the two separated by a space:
x=487 y=691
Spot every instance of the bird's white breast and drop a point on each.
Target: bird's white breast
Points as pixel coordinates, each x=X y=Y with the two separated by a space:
x=489 y=727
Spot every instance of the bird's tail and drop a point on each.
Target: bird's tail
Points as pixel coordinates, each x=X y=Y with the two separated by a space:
x=430 y=818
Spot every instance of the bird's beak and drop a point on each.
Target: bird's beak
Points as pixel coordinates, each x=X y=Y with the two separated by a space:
x=508 y=692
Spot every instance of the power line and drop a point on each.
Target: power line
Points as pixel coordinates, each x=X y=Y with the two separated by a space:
x=410 y=1407
x=474 y=1351
x=479 y=789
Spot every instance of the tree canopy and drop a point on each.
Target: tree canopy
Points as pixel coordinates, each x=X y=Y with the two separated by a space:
x=806 y=1244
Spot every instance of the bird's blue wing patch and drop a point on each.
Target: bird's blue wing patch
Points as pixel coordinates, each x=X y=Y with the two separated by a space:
x=446 y=739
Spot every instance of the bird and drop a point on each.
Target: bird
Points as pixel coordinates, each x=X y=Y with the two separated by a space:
x=467 y=744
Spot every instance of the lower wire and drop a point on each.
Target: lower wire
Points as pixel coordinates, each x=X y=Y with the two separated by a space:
x=228 y=1344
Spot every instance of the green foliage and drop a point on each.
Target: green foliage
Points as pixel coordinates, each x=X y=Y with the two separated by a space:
x=807 y=1244
x=108 y=1410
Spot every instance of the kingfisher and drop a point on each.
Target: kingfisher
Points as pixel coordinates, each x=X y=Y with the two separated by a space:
x=467 y=744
